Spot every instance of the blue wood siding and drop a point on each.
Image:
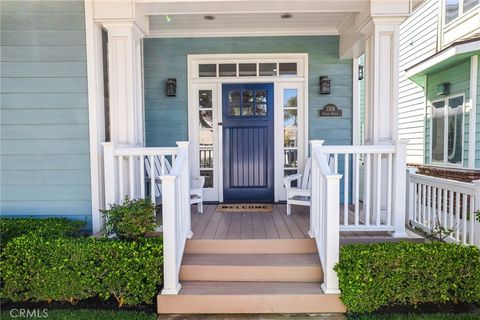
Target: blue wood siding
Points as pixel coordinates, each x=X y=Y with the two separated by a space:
x=45 y=165
x=166 y=117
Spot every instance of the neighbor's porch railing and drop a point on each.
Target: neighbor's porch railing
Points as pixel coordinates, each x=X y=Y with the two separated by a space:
x=131 y=170
x=436 y=203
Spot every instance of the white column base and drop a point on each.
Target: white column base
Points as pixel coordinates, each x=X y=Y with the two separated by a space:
x=311 y=234
x=172 y=291
x=400 y=235
x=329 y=291
x=189 y=234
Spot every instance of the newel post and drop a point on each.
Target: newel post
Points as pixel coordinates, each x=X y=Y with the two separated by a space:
x=399 y=190
x=476 y=232
x=109 y=173
x=331 y=229
x=185 y=145
x=411 y=194
x=171 y=284
x=314 y=193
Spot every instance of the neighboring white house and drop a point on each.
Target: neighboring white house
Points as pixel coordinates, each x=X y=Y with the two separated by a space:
x=440 y=43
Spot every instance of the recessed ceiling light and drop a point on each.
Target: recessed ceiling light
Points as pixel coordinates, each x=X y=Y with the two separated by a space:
x=209 y=18
x=286 y=16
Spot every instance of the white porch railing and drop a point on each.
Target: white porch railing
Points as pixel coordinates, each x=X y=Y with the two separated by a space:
x=127 y=171
x=436 y=203
x=324 y=218
x=377 y=186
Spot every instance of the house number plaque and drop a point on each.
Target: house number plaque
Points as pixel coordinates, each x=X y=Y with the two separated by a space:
x=330 y=110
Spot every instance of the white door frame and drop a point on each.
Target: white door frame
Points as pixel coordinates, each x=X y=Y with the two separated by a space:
x=195 y=83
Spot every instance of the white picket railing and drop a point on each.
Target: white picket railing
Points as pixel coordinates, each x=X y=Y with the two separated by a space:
x=324 y=218
x=377 y=186
x=437 y=203
x=130 y=170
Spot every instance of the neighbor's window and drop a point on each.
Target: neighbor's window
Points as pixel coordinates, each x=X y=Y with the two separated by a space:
x=447 y=130
x=456 y=8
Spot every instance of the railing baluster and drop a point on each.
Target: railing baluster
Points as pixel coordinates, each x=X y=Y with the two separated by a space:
x=472 y=220
x=345 y=190
x=450 y=211
x=429 y=208
x=131 y=180
x=357 y=189
x=120 y=178
x=457 y=214
x=142 y=177
x=445 y=209
x=389 y=189
x=464 y=218
x=152 y=180
x=378 y=195
x=367 y=189
x=434 y=207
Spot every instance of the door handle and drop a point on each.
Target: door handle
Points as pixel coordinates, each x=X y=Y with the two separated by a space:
x=219 y=123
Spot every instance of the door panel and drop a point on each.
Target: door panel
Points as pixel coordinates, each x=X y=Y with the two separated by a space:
x=248 y=144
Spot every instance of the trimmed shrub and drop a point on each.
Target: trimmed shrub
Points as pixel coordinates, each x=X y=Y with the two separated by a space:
x=45 y=227
x=70 y=269
x=378 y=275
x=131 y=219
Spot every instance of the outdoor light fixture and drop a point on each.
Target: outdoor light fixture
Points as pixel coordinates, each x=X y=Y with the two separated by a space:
x=443 y=89
x=325 y=85
x=171 y=87
x=286 y=16
x=209 y=18
x=361 y=72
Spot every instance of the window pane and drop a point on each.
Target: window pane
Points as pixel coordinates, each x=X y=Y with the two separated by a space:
x=288 y=69
x=205 y=99
x=247 y=96
x=290 y=158
x=455 y=128
x=451 y=10
x=290 y=118
x=206 y=158
x=261 y=96
x=234 y=109
x=206 y=120
x=261 y=109
x=227 y=70
x=234 y=96
x=438 y=131
x=206 y=137
x=247 y=109
x=268 y=69
x=290 y=98
x=290 y=138
x=207 y=70
x=469 y=4
x=247 y=69
x=208 y=174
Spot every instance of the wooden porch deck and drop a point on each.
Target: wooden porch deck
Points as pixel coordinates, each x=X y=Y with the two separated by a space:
x=212 y=224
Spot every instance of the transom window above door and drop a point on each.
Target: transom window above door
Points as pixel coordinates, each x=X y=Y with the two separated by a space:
x=249 y=69
x=247 y=103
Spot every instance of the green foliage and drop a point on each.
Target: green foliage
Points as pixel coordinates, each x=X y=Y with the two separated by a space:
x=70 y=269
x=377 y=275
x=130 y=220
x=86 y=315
x=477 y=213
x=413 y=316
x=48 y=228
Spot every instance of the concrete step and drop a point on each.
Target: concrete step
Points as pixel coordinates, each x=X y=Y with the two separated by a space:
x=204 y=297
x=251 y=246
x=252 y=267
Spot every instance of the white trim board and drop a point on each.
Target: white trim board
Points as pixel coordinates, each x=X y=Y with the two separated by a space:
x=299 y=82
x=472 y=128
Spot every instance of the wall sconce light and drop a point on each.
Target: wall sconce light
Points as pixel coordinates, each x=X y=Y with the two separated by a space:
x=361 y=72
x=325 y=85
x=171 y=87
x=443 y=89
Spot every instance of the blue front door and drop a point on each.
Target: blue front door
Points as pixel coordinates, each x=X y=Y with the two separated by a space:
x=248 y=166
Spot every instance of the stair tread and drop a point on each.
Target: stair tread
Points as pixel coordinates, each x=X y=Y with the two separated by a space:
x=254 y=260
x=250 y=288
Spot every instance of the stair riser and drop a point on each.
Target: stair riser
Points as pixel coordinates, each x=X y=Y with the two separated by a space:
x=279 y=246
x=251 y=273
x=249 y=304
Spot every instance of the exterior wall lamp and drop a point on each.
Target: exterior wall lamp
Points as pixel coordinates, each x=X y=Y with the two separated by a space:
x=361 y=72
x=171 y=87
x=443 y=89
x=325 y=85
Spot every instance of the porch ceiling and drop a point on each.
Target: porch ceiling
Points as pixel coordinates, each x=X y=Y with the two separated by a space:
x=247 y=24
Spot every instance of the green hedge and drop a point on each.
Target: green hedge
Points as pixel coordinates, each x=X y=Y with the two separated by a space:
x=49 y=227
x=69 y=269
x=378 y=275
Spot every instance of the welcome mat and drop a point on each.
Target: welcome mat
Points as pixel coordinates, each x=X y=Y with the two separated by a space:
x=244 y=207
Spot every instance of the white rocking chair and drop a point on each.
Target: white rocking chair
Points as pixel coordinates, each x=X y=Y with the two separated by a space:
x=299 y=195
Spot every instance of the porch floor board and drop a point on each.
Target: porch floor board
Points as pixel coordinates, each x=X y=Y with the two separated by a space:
x=212 y=224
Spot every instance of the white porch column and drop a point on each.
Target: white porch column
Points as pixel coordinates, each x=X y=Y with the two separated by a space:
x=125 y=83
x=381 y=79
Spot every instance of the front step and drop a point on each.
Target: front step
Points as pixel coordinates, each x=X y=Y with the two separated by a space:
x=252 y=267
x=250 y=246
x=249 y=297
